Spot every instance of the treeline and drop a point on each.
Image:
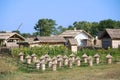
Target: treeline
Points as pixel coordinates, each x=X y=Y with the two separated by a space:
x=47 y=27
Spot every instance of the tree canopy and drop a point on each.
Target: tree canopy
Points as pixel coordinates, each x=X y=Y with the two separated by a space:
x=45 y=27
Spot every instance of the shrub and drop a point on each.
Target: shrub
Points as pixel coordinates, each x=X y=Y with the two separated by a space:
x=39 y=51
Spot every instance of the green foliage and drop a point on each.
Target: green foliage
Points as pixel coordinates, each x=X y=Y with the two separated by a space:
x=45 y=27
x=39 y=51
x=26 y=35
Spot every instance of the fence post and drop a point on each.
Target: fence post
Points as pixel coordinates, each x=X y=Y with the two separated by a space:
x=54 y=66
x=21 y=56
x=34 y=57
x=109 y=59
x=60 y=62
x=84 y=57
x=37 y=64
x=97 y=60
x=78 y=61
x=65 y=58
x=72 y=56
x=28 y=59
x=70 y=63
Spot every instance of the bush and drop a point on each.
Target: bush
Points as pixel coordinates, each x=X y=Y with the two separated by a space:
x=39 y=51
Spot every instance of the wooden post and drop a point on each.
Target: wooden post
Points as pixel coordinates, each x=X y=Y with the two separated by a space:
x=90 y=62
x=97 y=60
x=54 y=66
x=77 y=61
x=60 y=62
x=49 y=63
x=46 y=57
x=33 y=58
x=42 y=58
x=65 y=58
x=72 y=56
x=28 y=59
x=42 y=64
x=21 y=56
x=37 y=64
x=109 y=59
x=70 y=63
x=54 y=59
x=84 y=57
x=59 y=56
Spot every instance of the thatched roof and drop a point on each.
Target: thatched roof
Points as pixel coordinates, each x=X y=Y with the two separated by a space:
x=51 y=39
x=7 y=35
x=73 y=41
x=112 y=33
x=73 y=33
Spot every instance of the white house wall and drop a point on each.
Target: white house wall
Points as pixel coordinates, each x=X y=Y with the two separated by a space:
x=80 y=37
x=115 y=43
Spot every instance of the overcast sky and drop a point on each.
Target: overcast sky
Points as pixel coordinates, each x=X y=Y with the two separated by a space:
x=65 y=12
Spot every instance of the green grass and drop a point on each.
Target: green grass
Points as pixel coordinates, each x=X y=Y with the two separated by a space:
x=18 y=71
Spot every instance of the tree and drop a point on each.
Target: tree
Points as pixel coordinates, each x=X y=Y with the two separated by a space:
x=17 y=31
x=104 y=24
x=83 y=25
x=26 y=35
x=94 y=29
x=61 y=29
x=45 y=27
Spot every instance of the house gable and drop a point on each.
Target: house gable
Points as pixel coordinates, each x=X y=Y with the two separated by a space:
x=110 y=38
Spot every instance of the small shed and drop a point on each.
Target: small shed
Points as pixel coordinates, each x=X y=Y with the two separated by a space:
x=72 y=45
x=110 y=38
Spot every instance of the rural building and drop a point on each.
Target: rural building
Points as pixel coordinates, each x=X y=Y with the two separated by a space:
x=10 y=39
x=110 y=38
x=72 y=45
x=46 y=40
x=83 y=38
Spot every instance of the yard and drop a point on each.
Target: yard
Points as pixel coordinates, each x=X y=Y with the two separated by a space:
x=9 y=70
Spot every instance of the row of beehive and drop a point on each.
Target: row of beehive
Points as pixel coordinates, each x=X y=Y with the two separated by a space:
x=61 y=60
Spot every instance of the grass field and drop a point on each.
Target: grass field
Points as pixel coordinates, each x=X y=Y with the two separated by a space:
x=9 y=71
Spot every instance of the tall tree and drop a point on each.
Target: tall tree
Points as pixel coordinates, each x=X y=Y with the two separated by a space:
x=45 y=27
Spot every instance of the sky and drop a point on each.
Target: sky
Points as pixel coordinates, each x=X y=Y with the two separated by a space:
x=26 y=13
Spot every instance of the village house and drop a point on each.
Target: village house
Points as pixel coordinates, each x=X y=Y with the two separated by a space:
x=10 y=39
x=83 y=38
x=110 y=38
x=43 y=40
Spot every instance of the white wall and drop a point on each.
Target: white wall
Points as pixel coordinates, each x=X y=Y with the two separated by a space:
x=115 y=43
x=74 y=48
x=79 y=37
